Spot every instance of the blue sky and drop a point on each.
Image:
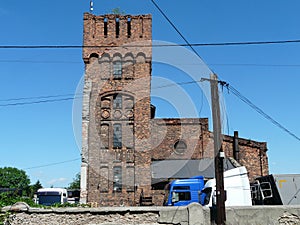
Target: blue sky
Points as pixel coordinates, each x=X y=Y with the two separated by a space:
x=41 y=134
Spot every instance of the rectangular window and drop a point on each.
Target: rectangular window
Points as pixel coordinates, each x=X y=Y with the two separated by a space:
x=117 y=137
x=184 y=196
x=130 y=155
x=129 y=27
x=117 y=179
x=117 y=27
x=128 y=136
x=104 y=136
x=130 y=178
x=103 y=185
x=105 y=27
x=181 y=196
x=117 y=69
x=117 y=103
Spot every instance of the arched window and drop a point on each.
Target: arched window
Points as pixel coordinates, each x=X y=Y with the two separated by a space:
x=105 y=66
x=117 y=66
x=128 y=66
x=117 y=101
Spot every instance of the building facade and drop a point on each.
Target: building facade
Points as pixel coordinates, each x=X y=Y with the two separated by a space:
x=121 y=139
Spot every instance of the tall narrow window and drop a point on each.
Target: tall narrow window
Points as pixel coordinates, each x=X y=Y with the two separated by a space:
x=103 y=185
x=105 y=27
x=129 y=27
x=117 y=137
x=104 y=136
x=117 y=69
x=117 y=27
x=142 y=27
x=117 y=179
x=117 y=103
x=130 y=178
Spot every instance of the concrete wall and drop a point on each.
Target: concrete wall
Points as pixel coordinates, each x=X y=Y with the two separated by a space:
x=194 y=214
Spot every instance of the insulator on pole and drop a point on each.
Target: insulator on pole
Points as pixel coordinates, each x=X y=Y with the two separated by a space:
x=91 y=5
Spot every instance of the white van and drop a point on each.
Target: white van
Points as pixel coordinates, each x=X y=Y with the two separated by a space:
x=50 y=196
x=236 y=185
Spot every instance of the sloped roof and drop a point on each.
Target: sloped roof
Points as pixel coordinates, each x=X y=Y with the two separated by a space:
x=178 y=169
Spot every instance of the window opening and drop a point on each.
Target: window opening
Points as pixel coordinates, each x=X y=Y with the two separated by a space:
x=129 y=27
x=117 y=179
x=117 y=27
x=180 y=147
x=104 y=136
x=117 y=103
x=117 y=69
x=105 y=27
x=142 y=27
x=117 y=137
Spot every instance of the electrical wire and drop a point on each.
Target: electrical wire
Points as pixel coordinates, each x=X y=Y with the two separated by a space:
x=35 y=97
x=51 y=164
x=77 y=96
x=37 y=102
x=260 y=111
x=187 y=64
x=149 y=46
x=176 y=29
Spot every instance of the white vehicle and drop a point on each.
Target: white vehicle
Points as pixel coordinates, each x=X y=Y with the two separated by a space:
x=50 y=196
x=236 y=185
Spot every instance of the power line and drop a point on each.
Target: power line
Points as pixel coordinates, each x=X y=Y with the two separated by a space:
x=188 y=64
x=37 y=102
x=77 y=96
x=259 y=110
x=35 y=97
x=231 y=88
x=36 y=61
x=154 y=45
x=52 y=164
x=176 y=29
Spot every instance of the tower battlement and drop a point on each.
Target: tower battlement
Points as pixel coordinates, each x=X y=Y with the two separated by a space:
x=113 y=30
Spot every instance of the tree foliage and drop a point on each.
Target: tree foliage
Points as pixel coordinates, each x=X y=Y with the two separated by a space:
x=34 y=188
x=117 y=11
x=15 y=186
x=75 y=184
x=11 y=177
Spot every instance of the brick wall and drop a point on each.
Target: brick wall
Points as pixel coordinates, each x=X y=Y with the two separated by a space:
x=118 y=73
x=116 y=102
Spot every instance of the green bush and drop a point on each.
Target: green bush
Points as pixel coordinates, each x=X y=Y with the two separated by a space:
x=7 y=199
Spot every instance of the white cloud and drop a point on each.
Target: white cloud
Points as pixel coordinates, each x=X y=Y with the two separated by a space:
x=56 y=180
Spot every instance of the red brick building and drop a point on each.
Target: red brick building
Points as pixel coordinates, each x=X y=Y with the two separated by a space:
x=123 y=145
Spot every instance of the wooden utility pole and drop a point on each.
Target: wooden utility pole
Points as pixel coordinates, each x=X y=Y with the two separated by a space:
x=219 y=154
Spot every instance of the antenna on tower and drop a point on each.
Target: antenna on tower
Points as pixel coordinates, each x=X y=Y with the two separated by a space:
x=91 y=6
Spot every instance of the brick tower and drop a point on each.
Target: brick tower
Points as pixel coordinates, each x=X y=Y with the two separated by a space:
x=116 y=112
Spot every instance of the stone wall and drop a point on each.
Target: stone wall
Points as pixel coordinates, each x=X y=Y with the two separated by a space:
x=193 y=214
x=78 y=216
